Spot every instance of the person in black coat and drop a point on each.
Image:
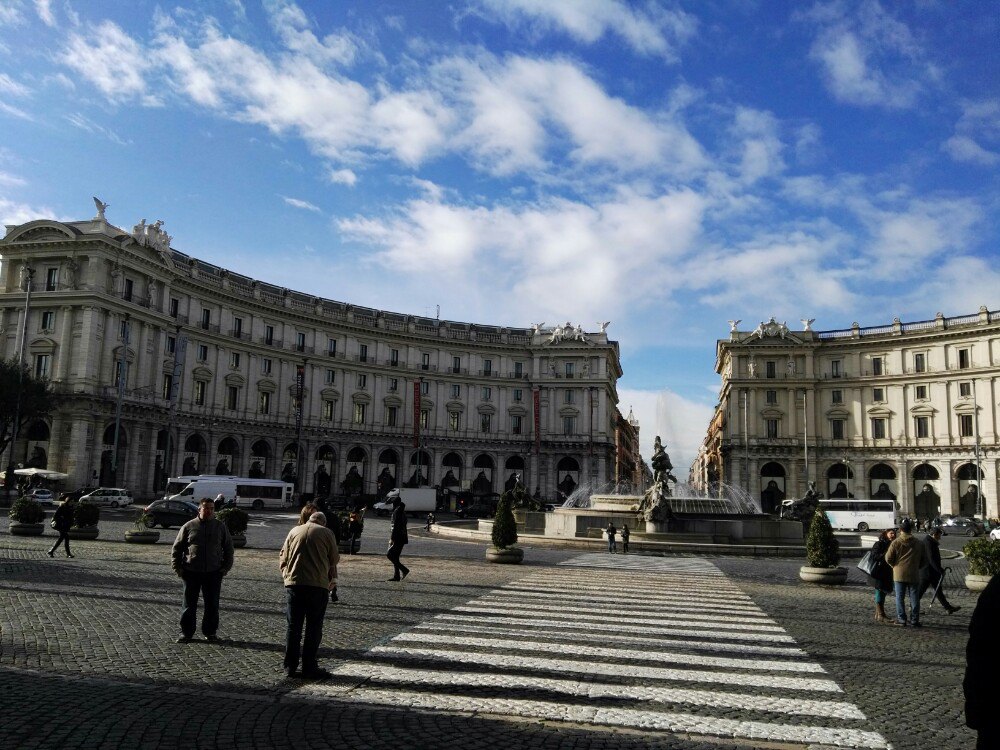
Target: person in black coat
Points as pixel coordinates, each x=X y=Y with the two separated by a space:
x=881 y=576
x=62 y=521
x=933 y=573
x=398 y=537
x=982 y=691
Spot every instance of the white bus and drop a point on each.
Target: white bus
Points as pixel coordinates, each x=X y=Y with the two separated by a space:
x=245 y=492
x=176 y=484
x=860 y=514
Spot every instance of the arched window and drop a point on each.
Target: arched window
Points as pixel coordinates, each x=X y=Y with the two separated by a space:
x=567 y=477
x=482 y=481
x=970 y=479
x=882 y=482
x=260 y=460
x=772 y=481
x=926 y=492
x=838 y=481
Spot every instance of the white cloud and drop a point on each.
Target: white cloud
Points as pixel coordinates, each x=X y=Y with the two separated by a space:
x=905 y=239
x=958 y=287
x=10 y=179
x=342 y=177
x=292 y=25
x=85 y=123
x=10 y=14
x=978 y=125
x=44 y=10
x=680 y=422
x=298 y=203
x=963 y=148
x=111 y=60
x=10 y=87
x=16 y=212
x=761 y=148
x=654 y=30
x=13 y=111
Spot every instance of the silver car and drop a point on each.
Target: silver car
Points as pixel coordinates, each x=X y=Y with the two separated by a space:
x=111 y=497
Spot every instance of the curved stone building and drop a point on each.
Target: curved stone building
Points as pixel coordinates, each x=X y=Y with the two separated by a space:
x=227 y=374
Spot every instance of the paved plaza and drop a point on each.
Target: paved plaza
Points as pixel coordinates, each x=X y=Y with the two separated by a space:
x=573 y=649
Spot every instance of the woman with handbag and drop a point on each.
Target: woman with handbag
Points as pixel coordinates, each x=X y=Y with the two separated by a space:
x=61 y=522
x=879 y=571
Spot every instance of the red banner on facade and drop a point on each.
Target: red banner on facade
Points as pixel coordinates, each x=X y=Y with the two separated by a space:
x=416 y=414
x=538 y=420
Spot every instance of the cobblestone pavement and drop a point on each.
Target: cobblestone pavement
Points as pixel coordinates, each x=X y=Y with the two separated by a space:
x=569 y=650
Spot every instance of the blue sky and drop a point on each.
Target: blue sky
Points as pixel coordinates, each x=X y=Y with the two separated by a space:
x=666 y=166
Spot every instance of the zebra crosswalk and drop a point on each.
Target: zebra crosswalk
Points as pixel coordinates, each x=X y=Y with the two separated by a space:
x=644 y=643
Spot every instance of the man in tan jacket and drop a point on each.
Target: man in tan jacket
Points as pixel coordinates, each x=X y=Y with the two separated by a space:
x=907 y=555
x=308 y=562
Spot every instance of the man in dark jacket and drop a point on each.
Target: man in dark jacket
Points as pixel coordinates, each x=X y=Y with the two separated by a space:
x=61 y=522
x=397 y=536
x=981 y=666
x=933 y=572
x=201 y=556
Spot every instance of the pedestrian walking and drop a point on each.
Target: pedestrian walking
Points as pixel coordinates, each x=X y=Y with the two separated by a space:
x=308 y=562
x=906 y=555
x=611 y=531
x=398 y=537
x=982 y=663
x=62 y=520
x=933 y=574
x=881 y=575
x=356 y=524
x=430 y=522
x=220 y=502
x=625 y=535
x=202 y=555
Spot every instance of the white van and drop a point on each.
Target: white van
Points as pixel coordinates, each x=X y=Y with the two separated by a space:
x=112 y=497
x=245 y=492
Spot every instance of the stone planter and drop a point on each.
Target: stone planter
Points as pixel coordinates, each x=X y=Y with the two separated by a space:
x=824 y=576
x=354 y=549
x=86 y=532
x=239 y=540
x=508 y=556
x=142 y=537
x=976 y=583
x=26 y=529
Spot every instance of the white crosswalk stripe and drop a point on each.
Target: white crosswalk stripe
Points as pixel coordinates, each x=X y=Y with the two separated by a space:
x=646 y=643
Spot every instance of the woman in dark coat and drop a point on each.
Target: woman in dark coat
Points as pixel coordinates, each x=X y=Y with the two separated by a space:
x=881 y=576
x=62 y=521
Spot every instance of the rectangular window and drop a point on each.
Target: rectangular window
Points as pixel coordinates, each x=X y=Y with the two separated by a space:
x=391 y=415
x=878 y=428
x=264 y=406
x=965 y=425
x=837 y=396
x=202 y=353
x=127 y=290
x=393 y=384
x=269 y=335
x=921 y=392
x=171 y=344
x=265 y=366
x=456 y=391
x=570 y=368
x=487 y=367
x=965 y=389
x=234 y=360
x=300 y=342
x=516 y=421
x=328 y=410
x=836 y=368
x=518 y=369
x=174 y=305
x=518 y=394
x=878 y=395
x=48 y=320
x=770 y=369
x=964 y=360
x=42 y=363
x=772 y=427
x=837 y=428
x=877 y=366
x=453 y=418
x=360 y=413
x=772 y=397
x=331 y=347
x=921 y=426
x=51 y=279
x=206 y=319
x=485 y=422
x=362 y=352
x=569 y=425
x=920 y=362
x=168 y=385
x=331 y=376
x=199 y=392
x=568 y=396
x=425 y=418
x=425 y=361
x=237 y=327
x=425 y=388
x=487 y=393
x=394 y=357
x=456 y=365
x=362 y=381
x=232 y=397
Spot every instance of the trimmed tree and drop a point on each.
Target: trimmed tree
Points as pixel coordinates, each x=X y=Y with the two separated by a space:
x=86 y=515
x=822 y=547
x=504 y=527
x=236 y=519
x=22 y=397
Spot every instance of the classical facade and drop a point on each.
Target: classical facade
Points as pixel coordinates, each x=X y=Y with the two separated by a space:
x=200 y=370
x=628 y=462
x=906 y=411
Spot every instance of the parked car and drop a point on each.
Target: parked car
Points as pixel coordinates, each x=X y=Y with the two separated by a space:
x=78 y=493
x=167 y=513
x=113 y=497
x=43 y=497
x=961 y=525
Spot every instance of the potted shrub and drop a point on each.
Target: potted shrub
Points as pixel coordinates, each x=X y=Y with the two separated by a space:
x=983 y=555
x=504 y=534
x=142 y=533
x=26 y=518
x=236 y=520
x=823 y=553
x=85 y=519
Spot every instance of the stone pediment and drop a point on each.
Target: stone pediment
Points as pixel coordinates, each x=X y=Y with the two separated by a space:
x=923 y=410
x=202 y=373
x=42 y=230
x=454 y=406
x=330 y=394
x=768 y=333
x=267 y=385
x=392 y=401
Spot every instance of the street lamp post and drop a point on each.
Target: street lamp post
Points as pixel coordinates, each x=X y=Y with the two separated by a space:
x=30 y=276
x=980 y=497
x=122 y=378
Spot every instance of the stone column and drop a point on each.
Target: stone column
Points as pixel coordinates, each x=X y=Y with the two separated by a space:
x=904 y=489
x=65 y=350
